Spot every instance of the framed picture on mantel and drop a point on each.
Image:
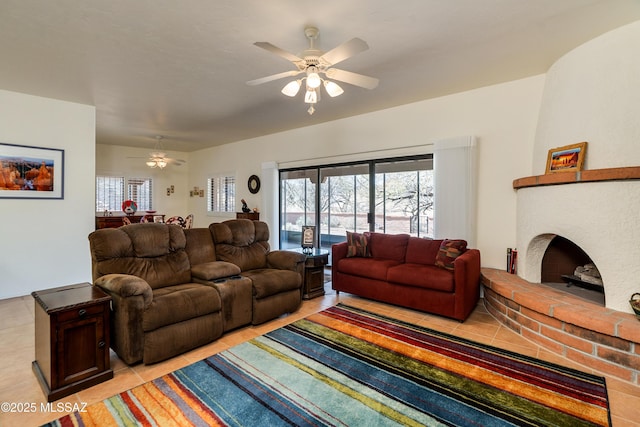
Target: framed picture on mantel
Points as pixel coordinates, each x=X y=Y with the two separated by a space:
x=569 y=158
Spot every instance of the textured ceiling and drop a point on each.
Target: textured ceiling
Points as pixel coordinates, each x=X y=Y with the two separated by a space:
x=178 y=68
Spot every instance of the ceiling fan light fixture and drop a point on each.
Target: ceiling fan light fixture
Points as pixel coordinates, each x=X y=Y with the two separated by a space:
x=311 y=96
x=292 y=88
x=313 y=79
x=333 y=89
x=313 y=63
x=157 y=159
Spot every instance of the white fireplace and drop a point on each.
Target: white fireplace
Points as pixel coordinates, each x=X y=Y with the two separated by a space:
x=591 y=94
x=602 y=218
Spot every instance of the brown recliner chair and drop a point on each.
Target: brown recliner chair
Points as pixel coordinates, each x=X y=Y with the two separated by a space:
x=158 y=311
x=276 y=276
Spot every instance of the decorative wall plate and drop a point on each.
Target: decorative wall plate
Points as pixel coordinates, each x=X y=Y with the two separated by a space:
x=254 y=184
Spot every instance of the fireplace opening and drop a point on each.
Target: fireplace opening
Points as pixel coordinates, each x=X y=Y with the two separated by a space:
x=566 y=267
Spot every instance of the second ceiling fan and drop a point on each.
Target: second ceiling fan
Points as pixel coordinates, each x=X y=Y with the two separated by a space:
x=314 y=63
x=158 y=157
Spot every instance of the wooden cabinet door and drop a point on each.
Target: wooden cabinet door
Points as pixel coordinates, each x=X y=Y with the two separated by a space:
x=81 y=349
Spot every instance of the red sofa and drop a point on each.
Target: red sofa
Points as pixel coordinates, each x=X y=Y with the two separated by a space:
x=436 y=276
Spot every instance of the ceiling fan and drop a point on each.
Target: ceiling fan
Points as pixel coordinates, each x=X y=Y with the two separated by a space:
x=313 y=63
x=158 y=157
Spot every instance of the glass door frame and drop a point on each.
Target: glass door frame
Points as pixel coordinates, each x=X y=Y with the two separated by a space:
x=371 y=164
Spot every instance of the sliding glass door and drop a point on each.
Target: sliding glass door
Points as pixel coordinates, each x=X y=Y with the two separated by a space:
x=404 y=197
x=345 y=202
x=297 y=204
x=387 y=196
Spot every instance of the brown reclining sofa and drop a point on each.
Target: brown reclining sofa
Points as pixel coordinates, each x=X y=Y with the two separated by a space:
x=175 y=289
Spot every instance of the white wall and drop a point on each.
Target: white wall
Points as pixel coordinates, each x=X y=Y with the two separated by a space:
x=502 y=117
x=593 y=94
x=44 y=242
x=130 y=163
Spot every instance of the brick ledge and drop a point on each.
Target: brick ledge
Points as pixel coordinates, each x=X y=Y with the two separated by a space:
x=604 y=339
x=562 y=306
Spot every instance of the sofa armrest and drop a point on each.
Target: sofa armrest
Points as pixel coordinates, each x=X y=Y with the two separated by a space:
x=466 y=270
x=130 y=297
x=125 y=286
x=286 y=260
x=214 y=270
x=338 y=251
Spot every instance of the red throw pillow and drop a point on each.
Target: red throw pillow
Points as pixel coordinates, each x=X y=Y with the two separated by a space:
x=449 y=251
x=357 y=245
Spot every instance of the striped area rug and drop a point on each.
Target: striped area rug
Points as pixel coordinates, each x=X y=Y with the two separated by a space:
x=349 y=367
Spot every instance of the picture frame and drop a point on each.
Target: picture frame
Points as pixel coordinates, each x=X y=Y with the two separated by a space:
x=308 y=236
x=569 y=158
x=28 y=172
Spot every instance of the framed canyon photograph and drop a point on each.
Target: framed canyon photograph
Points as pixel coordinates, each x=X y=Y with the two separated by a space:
x=569 y=158
x=31 y=172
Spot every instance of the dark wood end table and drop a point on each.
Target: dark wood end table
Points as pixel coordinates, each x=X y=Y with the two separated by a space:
x=71 y=339
x=317 y=259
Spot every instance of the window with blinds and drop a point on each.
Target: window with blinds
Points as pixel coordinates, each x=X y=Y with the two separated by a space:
x=140 y=190
x=221 y=193
x=109 y=193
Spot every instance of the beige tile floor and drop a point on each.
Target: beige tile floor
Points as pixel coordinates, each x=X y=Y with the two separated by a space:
x=18 y=384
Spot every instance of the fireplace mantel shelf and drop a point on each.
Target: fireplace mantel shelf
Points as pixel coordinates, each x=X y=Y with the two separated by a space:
x=594 y=175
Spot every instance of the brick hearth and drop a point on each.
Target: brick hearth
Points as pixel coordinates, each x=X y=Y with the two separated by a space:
x=582 y=331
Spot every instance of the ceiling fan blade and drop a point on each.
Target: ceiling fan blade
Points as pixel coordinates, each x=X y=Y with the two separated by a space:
x=273 y=77
x=344 y=51
x=352 y=78
x=280 y=52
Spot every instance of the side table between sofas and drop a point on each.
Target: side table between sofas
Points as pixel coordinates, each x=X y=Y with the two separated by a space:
x=71 y=339
x=317 y=259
